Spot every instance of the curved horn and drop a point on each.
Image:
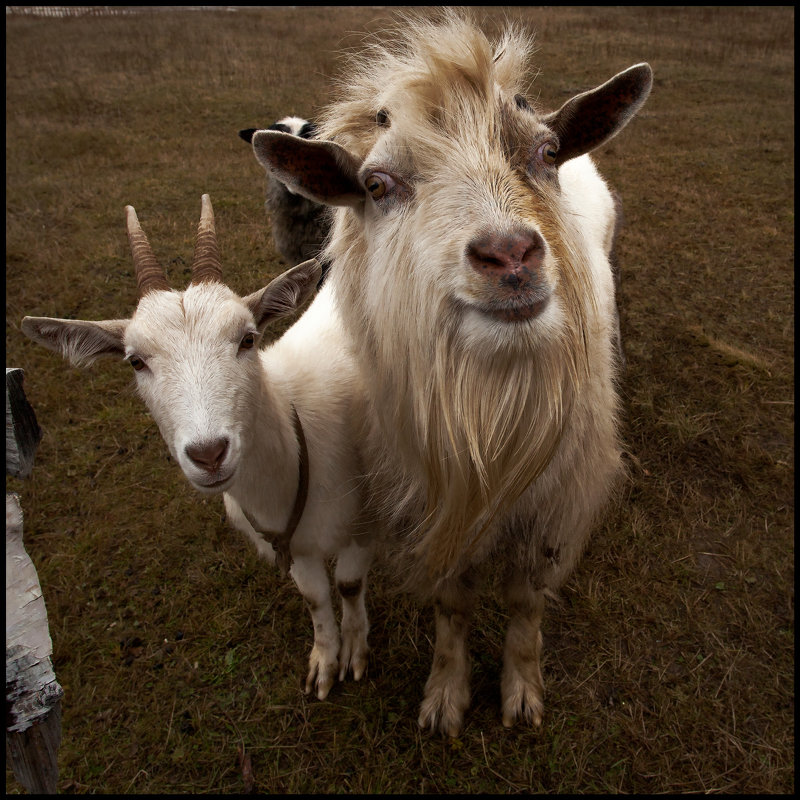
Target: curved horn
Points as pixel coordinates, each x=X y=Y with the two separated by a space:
x=206 y=264
x=149 y=274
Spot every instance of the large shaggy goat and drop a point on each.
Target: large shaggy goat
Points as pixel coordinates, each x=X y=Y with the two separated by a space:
x=271 y=428
x=470 y=261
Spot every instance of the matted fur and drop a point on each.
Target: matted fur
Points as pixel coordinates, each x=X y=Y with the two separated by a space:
x=471 y=416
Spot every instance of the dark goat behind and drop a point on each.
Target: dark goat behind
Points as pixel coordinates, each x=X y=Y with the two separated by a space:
x=299 y=226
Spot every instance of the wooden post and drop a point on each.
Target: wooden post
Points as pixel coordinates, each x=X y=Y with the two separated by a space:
x=33 y=697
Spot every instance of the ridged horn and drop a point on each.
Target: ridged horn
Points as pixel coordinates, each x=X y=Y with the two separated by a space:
x=149 y=274
x=206 y=265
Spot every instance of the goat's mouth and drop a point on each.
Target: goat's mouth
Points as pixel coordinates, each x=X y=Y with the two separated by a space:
x=516 y=310
x=212 y=486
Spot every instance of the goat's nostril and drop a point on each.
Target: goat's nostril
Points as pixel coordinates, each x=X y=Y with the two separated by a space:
x=208 y=455
x=534 y=252
x=490 y=262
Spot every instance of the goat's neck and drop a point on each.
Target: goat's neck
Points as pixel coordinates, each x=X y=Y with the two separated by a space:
x=266 y=484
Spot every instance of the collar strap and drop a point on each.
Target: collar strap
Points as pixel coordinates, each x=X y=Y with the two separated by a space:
x=280 y=539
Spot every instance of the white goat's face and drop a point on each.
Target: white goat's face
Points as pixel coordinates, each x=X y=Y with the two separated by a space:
x=197 y=369
x=195 y=353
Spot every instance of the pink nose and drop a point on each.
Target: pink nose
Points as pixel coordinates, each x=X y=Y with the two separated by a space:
x=514 y=259
x=208 y=455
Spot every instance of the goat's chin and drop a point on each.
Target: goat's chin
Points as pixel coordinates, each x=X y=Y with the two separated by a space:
x=505 y=321
x=213 y=484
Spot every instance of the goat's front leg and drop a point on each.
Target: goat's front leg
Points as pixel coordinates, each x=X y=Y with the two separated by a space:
x=311 y=578
x=521 y=687
x=447 y=689
x=237 y=518
x=351 y=581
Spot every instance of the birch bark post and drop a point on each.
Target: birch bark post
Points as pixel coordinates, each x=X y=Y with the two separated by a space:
x=33 y=696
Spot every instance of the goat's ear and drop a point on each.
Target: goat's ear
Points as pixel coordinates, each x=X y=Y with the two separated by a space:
x=247 y=134
x=594 y=117
x=80 y=342
x=320 y=170
x=285 y=294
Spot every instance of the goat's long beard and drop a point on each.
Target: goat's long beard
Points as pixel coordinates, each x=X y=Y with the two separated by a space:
x=494 y=421
x=487 y=423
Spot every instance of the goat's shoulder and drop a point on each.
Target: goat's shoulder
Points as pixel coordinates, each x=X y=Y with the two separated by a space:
x=315 y=349
x=587 y=195
x=581 y=182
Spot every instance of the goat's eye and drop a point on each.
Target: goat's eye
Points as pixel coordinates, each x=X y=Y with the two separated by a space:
x=248 y=342
x=378 y=183
x=382 y=118
x=547 y=153
x=137 y=363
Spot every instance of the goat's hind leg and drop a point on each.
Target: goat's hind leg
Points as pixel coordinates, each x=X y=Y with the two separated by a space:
x=350 y=575
x=311 y=577
x=447 y=689
x=522 y=688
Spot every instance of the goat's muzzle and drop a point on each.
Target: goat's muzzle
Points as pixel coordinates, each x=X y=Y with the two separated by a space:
x=510 y=265
x=208 y=455
x=512 y=261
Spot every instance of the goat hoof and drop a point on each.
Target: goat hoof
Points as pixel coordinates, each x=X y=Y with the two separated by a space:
x=446 y=698
x=523 y=704
x=322 y=685
x=533 y=718
x=323 y=689
x=452 y=729
x=353 y=658
x=358 y=671
x=321 y=675
x=437 y=715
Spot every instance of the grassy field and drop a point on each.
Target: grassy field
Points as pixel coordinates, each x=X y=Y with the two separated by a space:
x=669 y=662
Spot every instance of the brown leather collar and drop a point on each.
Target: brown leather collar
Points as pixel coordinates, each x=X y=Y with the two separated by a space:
x=280 y=539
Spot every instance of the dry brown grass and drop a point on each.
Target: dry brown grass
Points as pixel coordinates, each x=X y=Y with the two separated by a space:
x=670 y=660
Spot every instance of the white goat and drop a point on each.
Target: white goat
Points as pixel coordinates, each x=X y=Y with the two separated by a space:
x=299 y=225
x=470 y=262
x=271 y=429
